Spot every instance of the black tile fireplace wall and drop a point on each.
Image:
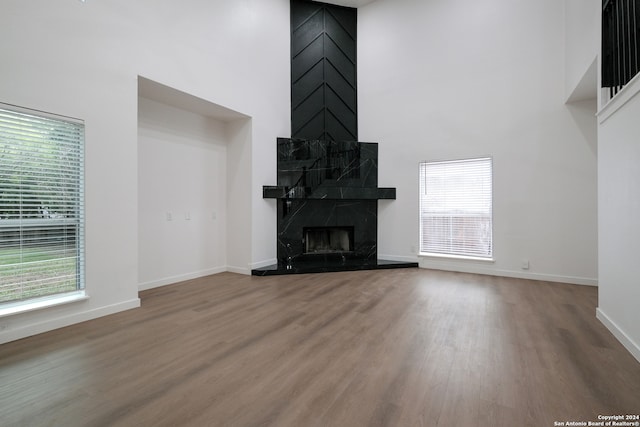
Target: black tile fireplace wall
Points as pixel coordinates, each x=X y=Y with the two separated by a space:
x=327 y=184
x=324 y=100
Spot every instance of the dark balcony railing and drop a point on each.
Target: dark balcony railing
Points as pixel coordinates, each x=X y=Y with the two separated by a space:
x=620 y=43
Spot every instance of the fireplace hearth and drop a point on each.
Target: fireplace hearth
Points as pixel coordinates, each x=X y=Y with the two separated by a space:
x=327 y=207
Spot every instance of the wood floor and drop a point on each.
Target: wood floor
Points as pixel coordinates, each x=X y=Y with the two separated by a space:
x=406 y=347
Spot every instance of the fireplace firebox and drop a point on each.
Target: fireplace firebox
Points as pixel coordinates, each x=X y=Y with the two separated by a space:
x=328 y=240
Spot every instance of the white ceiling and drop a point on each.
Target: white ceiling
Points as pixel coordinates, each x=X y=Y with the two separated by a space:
x=349 y=3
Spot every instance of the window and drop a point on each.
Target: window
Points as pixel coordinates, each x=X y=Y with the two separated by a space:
x=41 y=204
x=456 y=208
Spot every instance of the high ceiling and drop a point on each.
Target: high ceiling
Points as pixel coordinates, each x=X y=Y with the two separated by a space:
x=349 y=3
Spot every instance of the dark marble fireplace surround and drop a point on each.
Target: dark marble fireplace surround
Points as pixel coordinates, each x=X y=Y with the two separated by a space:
x=327 y=191
x=327 y=184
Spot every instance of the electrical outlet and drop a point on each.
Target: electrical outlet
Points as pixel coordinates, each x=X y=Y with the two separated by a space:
x=525 y=264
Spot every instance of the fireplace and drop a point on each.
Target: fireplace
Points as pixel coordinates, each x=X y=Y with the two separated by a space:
x=327 y=240
x=327 y=207
x=327 y=183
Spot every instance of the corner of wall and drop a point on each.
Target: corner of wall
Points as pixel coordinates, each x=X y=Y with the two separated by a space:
x=625 y=340
x=239 y=179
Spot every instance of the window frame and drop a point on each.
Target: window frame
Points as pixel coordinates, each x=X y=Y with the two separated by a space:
x=66 y=226
x=427 y=250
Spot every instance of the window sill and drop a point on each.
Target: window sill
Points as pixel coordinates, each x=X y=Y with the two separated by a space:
x=456 y=257
x=12 y=308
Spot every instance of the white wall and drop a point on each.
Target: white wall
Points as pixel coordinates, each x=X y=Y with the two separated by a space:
x=239 y=178
x=82 y=59
x=582 y=41
x=457 y=79
x=182 y=191
x=619 y=216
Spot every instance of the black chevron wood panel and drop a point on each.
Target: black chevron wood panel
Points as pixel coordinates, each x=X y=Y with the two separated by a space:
x=323 y=71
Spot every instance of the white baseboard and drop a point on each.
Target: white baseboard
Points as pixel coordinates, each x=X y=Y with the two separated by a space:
x=62 y=321
x=179 y=278
x=264 y=263
x=481 y=269
x=239 y=270
x=624 y=339
x=253 y=265
x=399 y=258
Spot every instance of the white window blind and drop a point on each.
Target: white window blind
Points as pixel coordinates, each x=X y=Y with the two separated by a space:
x=41 y=204
x=456 y=208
